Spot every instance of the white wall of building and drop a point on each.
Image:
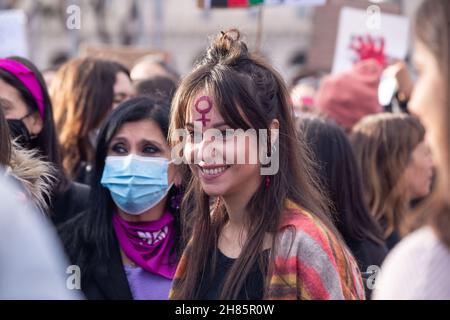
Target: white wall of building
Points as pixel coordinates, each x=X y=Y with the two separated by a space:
x=179 y=27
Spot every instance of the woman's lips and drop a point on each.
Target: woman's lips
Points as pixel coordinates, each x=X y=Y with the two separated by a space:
x=210 y=172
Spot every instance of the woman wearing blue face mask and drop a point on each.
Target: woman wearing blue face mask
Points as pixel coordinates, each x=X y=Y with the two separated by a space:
x=128 y=242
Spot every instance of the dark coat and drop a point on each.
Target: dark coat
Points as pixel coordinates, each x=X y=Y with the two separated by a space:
x=70 y=202
x=368 y=253
x=104 y=279
x=83 y=172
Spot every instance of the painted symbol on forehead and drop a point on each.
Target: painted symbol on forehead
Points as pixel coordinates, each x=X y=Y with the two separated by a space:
x=203 y=105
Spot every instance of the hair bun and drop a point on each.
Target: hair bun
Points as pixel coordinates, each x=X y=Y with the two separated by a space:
x=227 y=48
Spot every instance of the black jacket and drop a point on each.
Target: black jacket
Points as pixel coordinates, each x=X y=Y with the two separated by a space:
x=83 y=172
x=104 y=279
x=67 y=204
x=392 y=240
x=367 y=253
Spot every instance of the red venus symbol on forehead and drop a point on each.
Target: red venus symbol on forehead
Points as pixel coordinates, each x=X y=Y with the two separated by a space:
x=203 y=105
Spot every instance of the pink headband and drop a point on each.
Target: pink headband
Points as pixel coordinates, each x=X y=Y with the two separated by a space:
x=28 y=79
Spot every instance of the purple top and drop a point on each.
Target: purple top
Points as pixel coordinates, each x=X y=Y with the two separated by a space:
x=147 y=286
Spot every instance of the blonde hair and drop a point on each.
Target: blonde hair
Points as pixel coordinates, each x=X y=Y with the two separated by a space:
x=36 y=175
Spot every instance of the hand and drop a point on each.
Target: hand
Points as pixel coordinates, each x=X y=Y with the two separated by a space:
x=399 y=70
x=369 y=47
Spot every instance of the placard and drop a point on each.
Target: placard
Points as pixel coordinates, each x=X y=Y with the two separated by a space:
x=13 y=33
x=390 y=33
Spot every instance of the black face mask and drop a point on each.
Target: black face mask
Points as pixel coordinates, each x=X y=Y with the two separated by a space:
x=19 y=132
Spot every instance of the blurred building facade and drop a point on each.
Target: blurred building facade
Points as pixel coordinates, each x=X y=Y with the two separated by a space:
x=182 y=29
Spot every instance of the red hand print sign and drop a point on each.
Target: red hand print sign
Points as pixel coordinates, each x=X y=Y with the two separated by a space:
x=369 y=47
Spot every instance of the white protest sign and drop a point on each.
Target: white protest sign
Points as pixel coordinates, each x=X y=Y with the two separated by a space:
x=392 y=29
x=13 y=33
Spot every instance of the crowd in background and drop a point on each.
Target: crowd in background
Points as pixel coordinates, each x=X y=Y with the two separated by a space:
x=88 y=178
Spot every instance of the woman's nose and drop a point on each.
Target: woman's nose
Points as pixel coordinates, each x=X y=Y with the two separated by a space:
x=208 y=151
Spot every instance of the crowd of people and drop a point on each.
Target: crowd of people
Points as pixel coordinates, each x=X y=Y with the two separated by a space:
x=345 y=198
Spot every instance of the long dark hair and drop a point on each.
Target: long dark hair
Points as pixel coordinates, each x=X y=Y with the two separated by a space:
x=339 y=173
x=243 y=87
x=95 y=230
x=46 y=141
x=82 y=93
x=5 y=141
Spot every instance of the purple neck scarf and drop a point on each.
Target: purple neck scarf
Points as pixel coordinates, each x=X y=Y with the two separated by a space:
x=148 y=244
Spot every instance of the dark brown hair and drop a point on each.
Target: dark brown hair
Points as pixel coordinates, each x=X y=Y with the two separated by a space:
x=94 y=229
x=340 y=175
x=236 y=78
x=432 y=28
x=82 y=94
x=5 y=141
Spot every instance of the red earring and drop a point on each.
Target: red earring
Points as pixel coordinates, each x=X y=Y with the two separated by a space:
x=216 y=206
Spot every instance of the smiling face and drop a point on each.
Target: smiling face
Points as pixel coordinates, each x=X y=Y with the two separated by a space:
x=214 y=159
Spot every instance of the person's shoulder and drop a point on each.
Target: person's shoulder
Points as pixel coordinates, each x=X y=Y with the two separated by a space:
x=420 y=244
x=304 y=224
x=74 y=223
x=324 y=260
x=80 y=187
x=70 y=202
x=422 y=248
x=421 y=260
x=305 y=235
x=368 y=253
x=79 y=191
x=70 y=232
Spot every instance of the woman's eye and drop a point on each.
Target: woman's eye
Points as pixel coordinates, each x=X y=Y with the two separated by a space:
x=120 y=149
x=7 y=109
x=150 y=149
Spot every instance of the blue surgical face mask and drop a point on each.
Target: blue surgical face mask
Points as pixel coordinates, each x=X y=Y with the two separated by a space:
x=136 y=183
